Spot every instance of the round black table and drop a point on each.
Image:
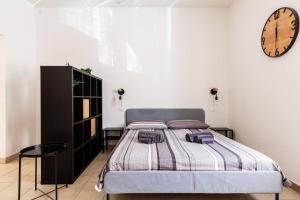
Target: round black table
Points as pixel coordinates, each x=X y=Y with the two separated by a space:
x=38 y=151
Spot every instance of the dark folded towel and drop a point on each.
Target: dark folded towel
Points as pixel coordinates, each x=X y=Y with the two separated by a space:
x=204 y=140
x=200 y=137
x=150 y=137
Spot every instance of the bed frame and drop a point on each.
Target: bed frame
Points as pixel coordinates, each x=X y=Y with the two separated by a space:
x=208 y=182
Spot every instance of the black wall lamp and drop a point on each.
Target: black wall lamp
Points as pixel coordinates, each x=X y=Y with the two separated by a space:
x=214 y=92
x=121 y=92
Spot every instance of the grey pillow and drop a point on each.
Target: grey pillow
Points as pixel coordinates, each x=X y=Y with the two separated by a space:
x=147 y=125
x=190 y=124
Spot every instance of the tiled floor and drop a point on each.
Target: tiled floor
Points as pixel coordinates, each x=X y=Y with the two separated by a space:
x=83 y=188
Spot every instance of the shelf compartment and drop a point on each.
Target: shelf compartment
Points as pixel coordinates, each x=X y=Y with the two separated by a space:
x=100 y=143
x=77 y=83
x=86 y=108
x=78 y=110
x=94 y=106
x=87 y=154
x=87 y=130
x=87 y=85
x=93 y=87
x=78 y=162
x=99 y=124
x=99 y=88
x=93 y=127
x=99 y=106
x=78 y=135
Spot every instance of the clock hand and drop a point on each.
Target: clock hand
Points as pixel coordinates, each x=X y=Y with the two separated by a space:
x=276 y=34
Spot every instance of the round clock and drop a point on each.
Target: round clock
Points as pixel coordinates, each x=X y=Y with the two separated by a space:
x=280 y=32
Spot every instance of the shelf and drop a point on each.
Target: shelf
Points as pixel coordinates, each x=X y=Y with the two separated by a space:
x=83 y=120
x=86 y=97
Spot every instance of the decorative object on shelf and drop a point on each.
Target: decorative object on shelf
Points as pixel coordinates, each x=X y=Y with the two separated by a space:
x=214 y=92
x=76 y=82
x=87 y=70
x=280 y=32
x=121 y=92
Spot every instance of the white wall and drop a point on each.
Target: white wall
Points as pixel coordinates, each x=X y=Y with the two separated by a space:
x=17 y=24
x=161 y=57
x=264 y=92
x=2 y=100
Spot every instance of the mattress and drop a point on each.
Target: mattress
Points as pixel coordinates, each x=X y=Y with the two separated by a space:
x=176 y=154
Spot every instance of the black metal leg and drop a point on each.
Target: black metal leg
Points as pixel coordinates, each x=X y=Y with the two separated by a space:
x=19 y=181
x=35 y=175
x=55 y=161
x=277 y=196
x=107 y=196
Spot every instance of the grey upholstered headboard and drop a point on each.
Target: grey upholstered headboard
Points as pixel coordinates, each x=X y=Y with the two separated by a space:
x=164 y=114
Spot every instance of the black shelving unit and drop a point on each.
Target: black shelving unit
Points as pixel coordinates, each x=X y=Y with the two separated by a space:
x=72 y=114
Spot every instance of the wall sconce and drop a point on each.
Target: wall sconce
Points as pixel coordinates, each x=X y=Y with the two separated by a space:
x=214 y=92
x=121 y=92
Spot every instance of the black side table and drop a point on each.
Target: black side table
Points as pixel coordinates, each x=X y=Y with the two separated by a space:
x=227 y=131
x=38 y=151
x=110 y=137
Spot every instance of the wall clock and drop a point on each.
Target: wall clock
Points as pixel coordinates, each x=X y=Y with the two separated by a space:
x=280 y=32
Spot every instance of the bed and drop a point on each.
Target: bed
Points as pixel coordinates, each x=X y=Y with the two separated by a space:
x=137 y=179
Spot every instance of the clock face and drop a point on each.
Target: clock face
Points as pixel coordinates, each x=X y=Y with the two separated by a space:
x=280 y=32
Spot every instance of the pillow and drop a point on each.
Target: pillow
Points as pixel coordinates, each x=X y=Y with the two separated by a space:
x=190 y=124
x=147 y=125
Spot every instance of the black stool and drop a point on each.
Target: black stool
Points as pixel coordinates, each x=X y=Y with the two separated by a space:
x=38 y=151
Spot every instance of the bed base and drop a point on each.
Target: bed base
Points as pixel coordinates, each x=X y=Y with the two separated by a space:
x=276 y=196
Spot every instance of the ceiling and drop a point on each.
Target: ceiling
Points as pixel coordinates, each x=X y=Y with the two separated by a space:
x=130 y=3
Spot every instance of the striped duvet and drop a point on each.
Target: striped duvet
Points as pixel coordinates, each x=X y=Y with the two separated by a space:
x=178 y=154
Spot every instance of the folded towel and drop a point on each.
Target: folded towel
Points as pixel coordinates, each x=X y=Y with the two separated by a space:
x=150 y=137
x=200 y=137
x=204 y=140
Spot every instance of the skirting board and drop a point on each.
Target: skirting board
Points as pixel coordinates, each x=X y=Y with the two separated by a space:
x=295 y=187
x=8 y=159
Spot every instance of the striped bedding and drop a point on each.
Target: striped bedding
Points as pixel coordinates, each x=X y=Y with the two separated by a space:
x=178 y=154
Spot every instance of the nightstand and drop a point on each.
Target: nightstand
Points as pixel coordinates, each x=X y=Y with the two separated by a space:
x=112 y=137
x=228 y=132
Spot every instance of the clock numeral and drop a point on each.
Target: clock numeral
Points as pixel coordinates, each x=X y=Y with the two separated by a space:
x=263 y=39
x=269 y=53
x=277 y=14
x=284 y=48
x=277 y=52
x=293 y=24
x=284 y=10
